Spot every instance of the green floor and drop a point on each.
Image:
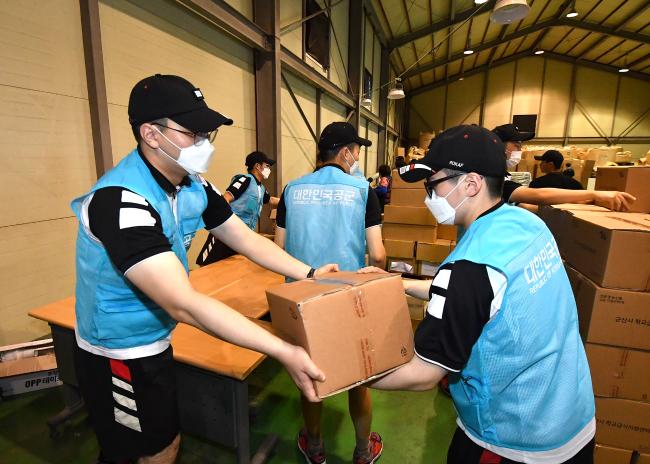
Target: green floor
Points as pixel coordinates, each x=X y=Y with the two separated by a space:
x=416 y=427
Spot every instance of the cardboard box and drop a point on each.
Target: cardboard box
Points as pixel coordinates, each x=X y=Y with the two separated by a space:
x=610 y=248
x=604 y=454
x=399 y=248
x=556 y=217
x=416 y=215
x=355 y=327
x=397 y=183
x=434 y=252
x=623 y=424
x=417 y=307
x=407 y=197
x=28 y=367
x=401 y=151
x=634 y=180
x=619 y=372
x=447 y=232
x=409 y=232
x=642 y=458
x=611 y=316
x=274 y=214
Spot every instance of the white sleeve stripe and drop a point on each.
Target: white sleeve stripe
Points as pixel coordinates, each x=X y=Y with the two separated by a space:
x=436 y=306
x=242 y=179
x=442 y=278
x=130 y=197
x=431 y=361
x=236 y=185
x=125 y=401
x=135 y=217
x=498 y=282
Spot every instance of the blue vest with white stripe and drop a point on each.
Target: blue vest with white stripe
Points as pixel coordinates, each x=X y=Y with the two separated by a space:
x=248 y=206
x=526 y=385
x=111 y=312
x=326 y=219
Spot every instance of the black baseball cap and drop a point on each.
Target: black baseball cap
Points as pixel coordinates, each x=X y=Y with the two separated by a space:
x=258 y=157
x=552 y=156
x=168 y=96
x=511 y=133
x=467 y=148
x=338 y=134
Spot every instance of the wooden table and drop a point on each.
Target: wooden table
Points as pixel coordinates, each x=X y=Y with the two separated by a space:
x=211 y=373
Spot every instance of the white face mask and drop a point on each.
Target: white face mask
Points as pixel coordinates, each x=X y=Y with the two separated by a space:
x=515 y=158
x=266 y=172
x=194 y=159
x=440 y=207
x=354 y=167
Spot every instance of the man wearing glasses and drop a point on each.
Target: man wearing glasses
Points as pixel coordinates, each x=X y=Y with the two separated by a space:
x=135 y=226
x=246 y=195
x=501 y=318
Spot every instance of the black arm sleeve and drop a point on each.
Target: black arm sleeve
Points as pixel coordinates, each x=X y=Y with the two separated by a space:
x=460 y=300
x=267 y=197
x=281 y=215
x=373 y=209
x=238 y=186
x=218 y=210
x=129 y=228
x=509 y=186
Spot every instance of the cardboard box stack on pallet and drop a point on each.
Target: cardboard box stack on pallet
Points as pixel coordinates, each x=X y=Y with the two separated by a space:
x=607 y=256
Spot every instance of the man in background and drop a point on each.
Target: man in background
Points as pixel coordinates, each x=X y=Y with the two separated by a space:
x=551 y=164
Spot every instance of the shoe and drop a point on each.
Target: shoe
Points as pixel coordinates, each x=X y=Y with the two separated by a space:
x=375 y=447
x=312 y=456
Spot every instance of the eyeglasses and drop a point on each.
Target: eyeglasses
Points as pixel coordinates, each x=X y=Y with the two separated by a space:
x=198 y=137
x=429 y=185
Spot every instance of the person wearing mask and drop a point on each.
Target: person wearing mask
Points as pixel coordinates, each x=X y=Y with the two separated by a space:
x=135 y=227
x=246 y=195
x=383 y=185
x=551 y=164
x=501 y=318
x=333 y=215
x=516 y=193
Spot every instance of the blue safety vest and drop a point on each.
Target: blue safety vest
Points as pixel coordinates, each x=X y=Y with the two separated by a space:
x=111 y=312
x=248 y=206
x=526 y=385
x=326 y=219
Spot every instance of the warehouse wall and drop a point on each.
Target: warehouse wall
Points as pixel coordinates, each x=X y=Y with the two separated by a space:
x=536 y=85
x=47 y=157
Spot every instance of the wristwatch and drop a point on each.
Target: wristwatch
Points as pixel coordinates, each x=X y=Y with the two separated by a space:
x=310 y=274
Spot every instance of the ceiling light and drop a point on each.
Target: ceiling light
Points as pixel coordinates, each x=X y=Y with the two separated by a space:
x=480 y=2
x=624 y=68
x=468 y=48
x=397 y=91
x=461 y=78
x=573 y=13
x=539 y=52
x=508 y=11
x=366 y=102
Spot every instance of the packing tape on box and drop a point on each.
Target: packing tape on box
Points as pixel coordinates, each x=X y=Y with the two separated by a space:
x=367 y=354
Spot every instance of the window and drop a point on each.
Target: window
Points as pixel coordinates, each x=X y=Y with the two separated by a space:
x=367 y=84
x=317 y=34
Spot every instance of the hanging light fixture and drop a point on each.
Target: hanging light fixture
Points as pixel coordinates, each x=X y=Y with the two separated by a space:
x=468 y=48
x=624 y=69
x=539 y=52
x=397 y=91
x=366 y=102
x=572 y=13
x=461 y=78
x=480 y=2
x=508 y=11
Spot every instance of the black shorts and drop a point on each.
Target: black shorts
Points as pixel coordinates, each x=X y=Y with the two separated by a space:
x=464 y=451
x=131 y=403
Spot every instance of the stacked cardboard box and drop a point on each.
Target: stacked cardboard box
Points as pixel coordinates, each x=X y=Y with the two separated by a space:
x=634 y=180
x=608 y=264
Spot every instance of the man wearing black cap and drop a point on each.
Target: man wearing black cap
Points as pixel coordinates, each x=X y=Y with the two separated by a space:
x=551 y=162
x=135 y=226
x=246 y=195
x=514 y=192
x=501 y=318
x=325 y=216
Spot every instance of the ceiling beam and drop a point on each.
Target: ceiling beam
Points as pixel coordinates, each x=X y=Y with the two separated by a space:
x=376 y=24
x=527 y=53
x=479 y=48
x=458 y=18
x=594 y=27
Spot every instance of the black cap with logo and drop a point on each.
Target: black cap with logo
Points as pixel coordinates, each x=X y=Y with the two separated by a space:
x=167 y=96
x=337 y=134
x=552 y=156
x=511 y=133
x=258 y=157
x=461 y=148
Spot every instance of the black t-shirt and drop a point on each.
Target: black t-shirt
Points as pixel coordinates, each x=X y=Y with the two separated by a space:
x=463 y=296
x=509 y=186
x=373 y=207
x=239 y=185
x=556 y=180
x=130 y=229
